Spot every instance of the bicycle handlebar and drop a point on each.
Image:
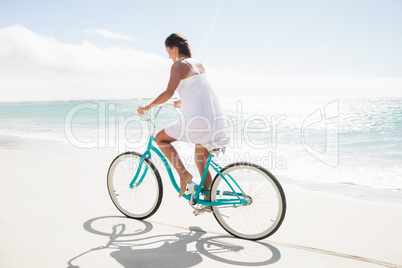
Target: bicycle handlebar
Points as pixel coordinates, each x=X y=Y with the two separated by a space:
x=157 y=112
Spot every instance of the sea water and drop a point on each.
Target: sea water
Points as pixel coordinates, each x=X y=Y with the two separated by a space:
x=352 y=140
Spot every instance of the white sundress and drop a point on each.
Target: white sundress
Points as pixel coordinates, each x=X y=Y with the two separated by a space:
x=203 y=121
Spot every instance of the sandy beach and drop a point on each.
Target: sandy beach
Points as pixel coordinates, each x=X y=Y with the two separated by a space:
x=56 y=212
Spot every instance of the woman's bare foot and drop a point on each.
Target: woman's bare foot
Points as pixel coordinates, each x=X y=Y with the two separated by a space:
x=201 y=211
x=183 y=183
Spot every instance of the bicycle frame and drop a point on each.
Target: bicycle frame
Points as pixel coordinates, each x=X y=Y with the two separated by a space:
x=239 y=201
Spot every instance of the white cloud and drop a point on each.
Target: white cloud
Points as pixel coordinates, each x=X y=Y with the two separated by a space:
x=109 y=34
x=35 y=67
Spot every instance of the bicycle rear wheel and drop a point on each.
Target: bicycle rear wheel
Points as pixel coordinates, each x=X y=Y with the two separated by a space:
x=266 y=207
x=141 y=201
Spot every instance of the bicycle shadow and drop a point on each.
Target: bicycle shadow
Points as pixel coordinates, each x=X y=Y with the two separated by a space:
x=132 y=245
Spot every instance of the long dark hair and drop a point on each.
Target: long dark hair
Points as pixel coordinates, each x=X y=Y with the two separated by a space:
x=179 y=41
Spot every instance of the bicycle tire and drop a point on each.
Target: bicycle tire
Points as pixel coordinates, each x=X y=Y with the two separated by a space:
x=139 y=202
x=264 y=215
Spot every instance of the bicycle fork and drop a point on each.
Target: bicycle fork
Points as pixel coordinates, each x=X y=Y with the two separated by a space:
x=133 y=181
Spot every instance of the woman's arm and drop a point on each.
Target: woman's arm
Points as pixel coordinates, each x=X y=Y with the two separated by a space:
x=175 y=77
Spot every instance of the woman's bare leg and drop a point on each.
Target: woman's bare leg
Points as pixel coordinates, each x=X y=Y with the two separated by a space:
x=164 y=142
x=201 y=157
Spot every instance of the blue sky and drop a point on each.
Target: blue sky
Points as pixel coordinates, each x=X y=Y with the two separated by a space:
x=271 y=47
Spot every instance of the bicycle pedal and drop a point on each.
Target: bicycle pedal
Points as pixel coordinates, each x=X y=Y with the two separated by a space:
x=190 y=188
x=199 y=212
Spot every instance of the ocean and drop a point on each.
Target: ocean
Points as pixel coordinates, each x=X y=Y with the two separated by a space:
x=334 y=140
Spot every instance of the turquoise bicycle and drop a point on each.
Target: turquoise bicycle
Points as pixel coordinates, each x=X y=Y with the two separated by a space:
x=246 y=199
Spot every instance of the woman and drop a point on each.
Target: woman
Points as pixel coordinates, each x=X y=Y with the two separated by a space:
x=203 y=121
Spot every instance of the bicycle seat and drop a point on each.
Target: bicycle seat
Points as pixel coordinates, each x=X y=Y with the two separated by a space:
x=217 y=146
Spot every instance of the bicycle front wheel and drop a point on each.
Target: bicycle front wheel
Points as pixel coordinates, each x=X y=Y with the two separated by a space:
x=266 y=203
x=142 y=200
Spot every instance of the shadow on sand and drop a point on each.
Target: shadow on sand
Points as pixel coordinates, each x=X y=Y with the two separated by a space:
x=133 y=244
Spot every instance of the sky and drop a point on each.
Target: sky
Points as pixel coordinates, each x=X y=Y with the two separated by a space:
x=62 y=50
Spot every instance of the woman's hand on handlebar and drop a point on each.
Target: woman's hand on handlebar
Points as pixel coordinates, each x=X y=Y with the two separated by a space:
x=143 y=110
x=177 y=104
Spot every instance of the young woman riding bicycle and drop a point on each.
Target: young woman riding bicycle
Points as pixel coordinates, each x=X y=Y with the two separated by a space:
x=246 y=199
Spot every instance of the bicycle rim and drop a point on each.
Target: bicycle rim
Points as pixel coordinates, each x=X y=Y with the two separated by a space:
x=266 y=211
x=138 y=202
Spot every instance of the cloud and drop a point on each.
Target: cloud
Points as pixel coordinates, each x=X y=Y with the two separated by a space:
x=109 y=34
x=35 y=67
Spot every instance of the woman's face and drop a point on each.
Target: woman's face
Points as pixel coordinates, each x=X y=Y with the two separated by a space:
x=173 y=53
